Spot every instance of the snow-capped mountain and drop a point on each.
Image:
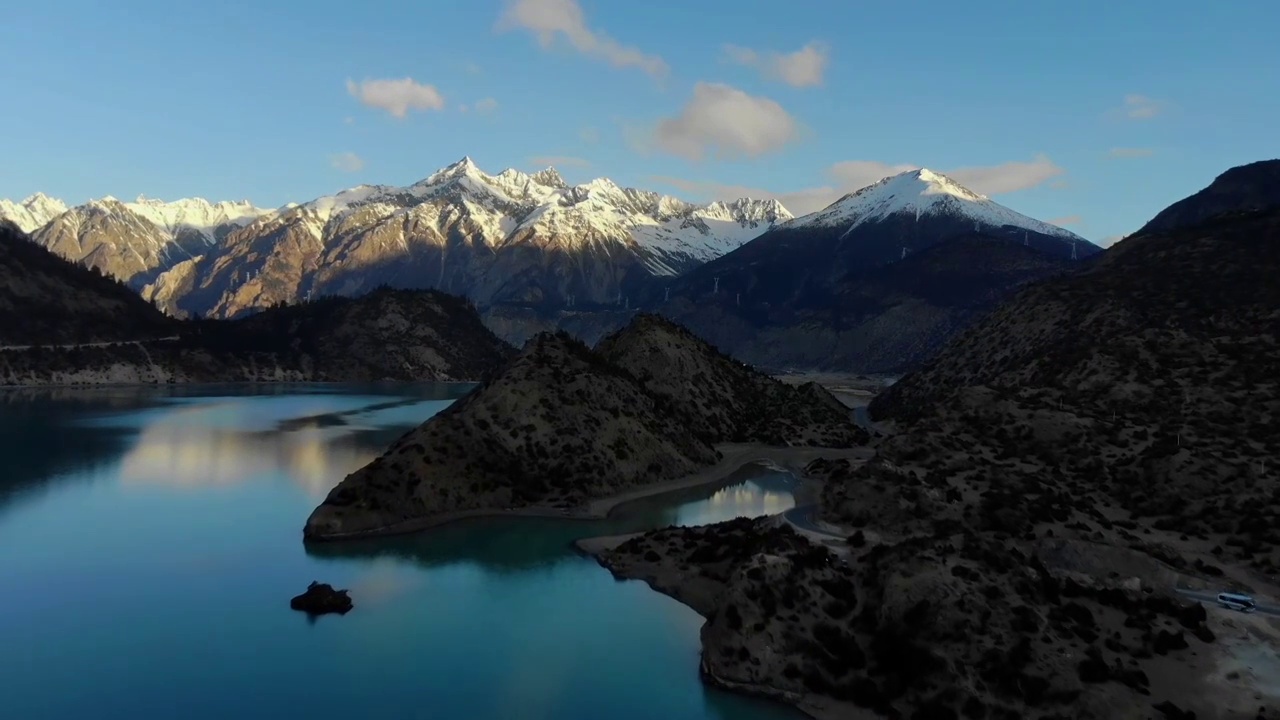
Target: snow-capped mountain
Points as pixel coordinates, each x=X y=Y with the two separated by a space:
x=512 y=237
x=130 y=240
x=920 y=193
x=32 y=212
x=876 y=280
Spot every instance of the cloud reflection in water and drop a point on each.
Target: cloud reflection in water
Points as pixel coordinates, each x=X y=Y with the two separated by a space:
x=178 y=449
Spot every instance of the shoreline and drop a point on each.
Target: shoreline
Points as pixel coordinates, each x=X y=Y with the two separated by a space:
x=810 y=705
x=735 y=458
x=207 y=383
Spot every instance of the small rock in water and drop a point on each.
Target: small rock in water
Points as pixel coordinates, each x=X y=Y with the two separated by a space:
x=321 y=598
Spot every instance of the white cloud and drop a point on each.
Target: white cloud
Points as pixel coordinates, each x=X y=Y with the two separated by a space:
x=851 y=175
x=1130 y=152
x=396 y=97
x=543 y=161
x=1141 y=107
x=486 y=105
x=802 y=68
x=1006 y=177
x=727 y=123
x=1066 y=220
x=547 y=19
x=857 y=174
x=347 y=162
x=589 y=135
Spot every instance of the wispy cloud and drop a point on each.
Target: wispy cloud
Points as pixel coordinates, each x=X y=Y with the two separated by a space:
x=1121 y=152
x=486 y=105
x=1066 y=220
x=802 y=68
x=548 y=19
x=396 y=97
x=1141 y=107
x=726 y=123
x=851 y=175
x=543 y=161
x=347 y=162
x=589 y=135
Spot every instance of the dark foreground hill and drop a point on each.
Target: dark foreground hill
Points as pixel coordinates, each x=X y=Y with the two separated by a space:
x=562 y=424
x=1058 y=471
x=1252 y=187
x=61 y=323
x=47 y=300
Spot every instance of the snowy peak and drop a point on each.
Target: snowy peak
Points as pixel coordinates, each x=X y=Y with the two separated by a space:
x=550 y=177
x=746 y=210
x=32 y=212
x=922 y=193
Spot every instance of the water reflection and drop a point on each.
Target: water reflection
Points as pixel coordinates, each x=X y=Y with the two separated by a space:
x=190 y=435
x=312 y=456
x=519 y=544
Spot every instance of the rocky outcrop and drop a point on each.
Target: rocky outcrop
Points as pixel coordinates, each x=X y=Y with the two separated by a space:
x=321 y=599
x=562 y=424
x=936 y=627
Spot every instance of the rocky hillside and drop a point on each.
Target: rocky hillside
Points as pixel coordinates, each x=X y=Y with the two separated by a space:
x=136 y=241
x=882 y=319
x=563 y=423
x=954 y=625
x=1148 y=381
x=721 y=399
x=1056 y=474
x=1255 y=186
x=47 y=300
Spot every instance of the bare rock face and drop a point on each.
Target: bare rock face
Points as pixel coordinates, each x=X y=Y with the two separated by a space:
x=562 y=424
x=320 y=599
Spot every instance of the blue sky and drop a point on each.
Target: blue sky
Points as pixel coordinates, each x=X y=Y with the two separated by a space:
x=1095 y=114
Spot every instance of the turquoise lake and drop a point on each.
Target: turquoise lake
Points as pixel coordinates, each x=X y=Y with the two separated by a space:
x=150 y=540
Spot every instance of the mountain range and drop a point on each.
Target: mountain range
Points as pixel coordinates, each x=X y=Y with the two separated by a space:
x=506 y=238
x=535 y=254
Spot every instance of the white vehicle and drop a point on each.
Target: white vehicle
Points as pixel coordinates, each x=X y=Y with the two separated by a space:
x=1233 y=601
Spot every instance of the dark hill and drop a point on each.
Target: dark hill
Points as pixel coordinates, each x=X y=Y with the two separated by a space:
x=86 y=328
x=562 y=424
x=46 y=300
x=885 y=318
x=1255 y=186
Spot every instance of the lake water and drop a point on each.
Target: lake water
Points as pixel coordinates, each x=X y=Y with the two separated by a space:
x=150 y=540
